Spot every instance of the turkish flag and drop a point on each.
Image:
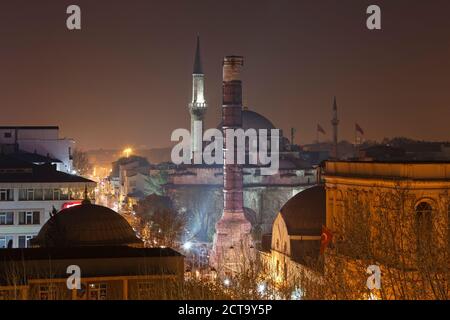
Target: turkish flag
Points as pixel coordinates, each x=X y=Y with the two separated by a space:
x=359 y=129
x=325 y=238
x=320 y=129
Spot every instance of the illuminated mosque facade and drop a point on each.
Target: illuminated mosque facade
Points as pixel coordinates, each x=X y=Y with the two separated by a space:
x=197 y=189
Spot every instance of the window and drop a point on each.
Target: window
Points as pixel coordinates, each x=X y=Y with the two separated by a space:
x=7 y=134
x=56 y=194
x=26 y=194
x=29 y=217
x=423 y=222
x=145 y=290
x=6 y=218
x=6 y=242
x=24 y=241
x=38 y=194
x=48 y=194
x=97 y=291
x=6 y=194
x=47 y=292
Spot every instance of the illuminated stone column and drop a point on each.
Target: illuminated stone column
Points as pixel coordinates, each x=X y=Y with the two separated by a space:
x=232 y=239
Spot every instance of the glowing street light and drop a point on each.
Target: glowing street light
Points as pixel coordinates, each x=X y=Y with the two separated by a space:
x=127 y=152
x=187 y=245
x=226 y=282
x=261 y=288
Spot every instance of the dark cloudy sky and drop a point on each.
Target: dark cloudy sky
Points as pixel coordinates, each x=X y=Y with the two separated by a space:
x=125 y=78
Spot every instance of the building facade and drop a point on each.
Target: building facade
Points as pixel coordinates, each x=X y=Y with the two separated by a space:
x=29 y=194
x=391 y=215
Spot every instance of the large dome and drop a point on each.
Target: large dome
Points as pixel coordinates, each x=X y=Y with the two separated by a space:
x=253 y=120
x=305 y=213
x=86 y=225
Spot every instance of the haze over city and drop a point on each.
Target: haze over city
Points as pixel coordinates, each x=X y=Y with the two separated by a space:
x=125 y=78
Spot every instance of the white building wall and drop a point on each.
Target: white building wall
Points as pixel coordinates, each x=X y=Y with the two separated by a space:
x=44 y=207
x=43 y=141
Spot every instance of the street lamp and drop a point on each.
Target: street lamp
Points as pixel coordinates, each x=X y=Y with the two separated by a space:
x=127 y=152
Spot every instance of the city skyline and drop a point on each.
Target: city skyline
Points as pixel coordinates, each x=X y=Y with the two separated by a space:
x=127 y=67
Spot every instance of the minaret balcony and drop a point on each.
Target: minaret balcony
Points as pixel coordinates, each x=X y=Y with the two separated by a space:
x=197 y=105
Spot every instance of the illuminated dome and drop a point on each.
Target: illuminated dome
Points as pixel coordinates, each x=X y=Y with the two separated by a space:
x=86 y=225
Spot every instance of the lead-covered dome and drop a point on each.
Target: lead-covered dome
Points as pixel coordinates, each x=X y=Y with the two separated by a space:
x=86 y=225
x=305 y=213
x=253 y=120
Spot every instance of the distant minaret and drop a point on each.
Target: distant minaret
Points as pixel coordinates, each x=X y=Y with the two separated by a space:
x=198 y=106
x=335 y=123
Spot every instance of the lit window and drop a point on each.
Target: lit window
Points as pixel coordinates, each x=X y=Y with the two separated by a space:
x=97 y=291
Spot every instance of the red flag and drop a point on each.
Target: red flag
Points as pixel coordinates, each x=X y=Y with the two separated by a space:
x=320 y=129
x=359 y=129
x=325 y=238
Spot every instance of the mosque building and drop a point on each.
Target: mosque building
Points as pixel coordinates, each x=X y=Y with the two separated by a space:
x=197 y=188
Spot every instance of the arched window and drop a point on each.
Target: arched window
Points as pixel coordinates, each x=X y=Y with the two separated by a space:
x=423 y=223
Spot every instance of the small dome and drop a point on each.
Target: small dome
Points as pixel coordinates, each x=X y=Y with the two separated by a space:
x=305 y=213
x=86 y=225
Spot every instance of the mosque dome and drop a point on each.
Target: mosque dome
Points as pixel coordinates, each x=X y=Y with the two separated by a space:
x=251 y=119
x=254 y=120
x=305 y=213
x=86 y=225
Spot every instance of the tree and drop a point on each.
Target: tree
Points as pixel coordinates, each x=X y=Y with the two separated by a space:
x=162 y=224
x=156 y=182
x=80 y=162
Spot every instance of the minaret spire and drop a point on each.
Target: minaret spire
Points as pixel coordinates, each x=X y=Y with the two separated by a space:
x=197 y=108
x=198 y=68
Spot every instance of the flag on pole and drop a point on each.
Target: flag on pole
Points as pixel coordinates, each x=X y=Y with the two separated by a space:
x=359 y=129
x=320 y=129
x=325 y=238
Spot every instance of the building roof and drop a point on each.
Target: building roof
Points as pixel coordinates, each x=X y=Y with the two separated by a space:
x=14 y=170
x=33 y=157
x=305 y=213
x=86 y=225
x=96 y=261
x=389 y=170
x=92 y=252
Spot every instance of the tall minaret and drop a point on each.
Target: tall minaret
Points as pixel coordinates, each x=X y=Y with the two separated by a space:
x=197 y=108
x=232 y=238
x=335 y=123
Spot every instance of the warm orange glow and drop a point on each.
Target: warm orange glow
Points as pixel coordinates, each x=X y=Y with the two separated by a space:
x=127 y=152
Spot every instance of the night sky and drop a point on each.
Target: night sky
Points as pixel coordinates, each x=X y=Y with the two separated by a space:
x=125 y=78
